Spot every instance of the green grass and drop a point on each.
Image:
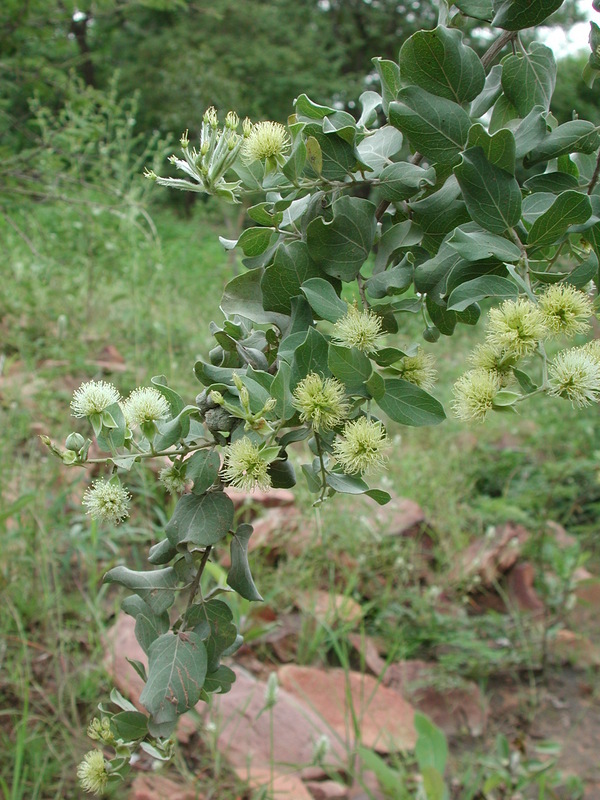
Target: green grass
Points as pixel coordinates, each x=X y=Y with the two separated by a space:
x=84 y=281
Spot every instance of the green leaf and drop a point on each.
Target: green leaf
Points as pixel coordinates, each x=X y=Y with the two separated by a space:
x=219 y=681
x=218 y=617
x=282 y=279
x=308 y=109
x=200 y=520
x=310 y=356
x=530 y=131
x=202 y=468
x=155 y=587
x=341 y=247
x=478 y=9
x=406 y=403
x=243 y=296
x=478 y=245
x=391 y=282
x=314 y=155
x=338 y=157
x=479 y=288
x=175 y=400
x=129 y=725
x=111 y=438
x=346 y=484
x=161 y=553
x=254 y=241
x=555 y=182
x=436 y=127
x=528 y=78
x=324 y=300
x=388 y=778
x=525 y=381
x=282 y=474
x=499 y=149
x=350 y=366
x=584 y=272
x=239 y=576
x=403 y=180
x=576 y=136
x=489 y=94
x=514 y=15
x=505 y=398
x=389 y=75
x=433 y=783
x=176 y=672
x=492 y=195
x=569 y=208
x=293 y=167
x=375 y=385
x=280 y=390
x=439 y=62
x=379 y=148
x=380 y=496
x=431 y=748
x=399 y=236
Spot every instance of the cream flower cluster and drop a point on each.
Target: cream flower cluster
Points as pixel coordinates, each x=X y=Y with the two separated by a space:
x=515 y=330
x=321 y=401
x=245 y=467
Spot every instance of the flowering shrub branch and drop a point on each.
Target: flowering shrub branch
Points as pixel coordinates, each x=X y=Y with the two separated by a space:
x=475 y=193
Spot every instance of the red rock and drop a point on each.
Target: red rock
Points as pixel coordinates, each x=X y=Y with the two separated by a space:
x=385 y=718
x=399 y=517
x=491 y=556
x=150 y=786
x=327 y=790
x=244 y=729
x=274 y=498
x=520 y=588
x=271 y=532
x=366 y=787
x=369 y=653
x=574 y=648
x=284 y=786
x=329 y=609
x=456 y=709
x=559 y=534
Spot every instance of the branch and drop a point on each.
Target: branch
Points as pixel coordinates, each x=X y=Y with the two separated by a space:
x=500 y=43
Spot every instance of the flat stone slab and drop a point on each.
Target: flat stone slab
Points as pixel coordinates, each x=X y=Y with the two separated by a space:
x=384 y=716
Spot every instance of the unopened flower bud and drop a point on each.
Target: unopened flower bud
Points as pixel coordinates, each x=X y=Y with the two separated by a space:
x=210 y=117
x=232 y=120
x=74 y=441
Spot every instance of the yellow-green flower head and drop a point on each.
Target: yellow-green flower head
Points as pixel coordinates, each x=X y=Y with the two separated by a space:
x=210 y=117
x=93 y=773
x=99 y=730
x=418 y=369
x=321 y=401
x=575 y=375
x=232 y=120
x=93 y=397
x=244 y=466
x=593 y=349
x=363 y=446
x=172 y=479
x=566 y=310
x=516 y=327
x=493 y=359
x=145 y=405
x=107 y=500
x=360 y=329
x=474 y=394
x=265 y=140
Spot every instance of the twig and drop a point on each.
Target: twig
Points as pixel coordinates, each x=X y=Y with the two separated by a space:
x=500 y=43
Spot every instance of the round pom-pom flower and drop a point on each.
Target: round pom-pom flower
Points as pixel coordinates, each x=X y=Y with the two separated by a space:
x=244 y=466
x=107 y=500
x=266 y=140
x=363 y=446
x=418 y=369
x=493 y=359
x=474 y=394
x=575 y=375
x=360 y=329
x=93 y=773
x=173 y=479
x=321 y=401
x=516 y=327
x=566 y=310
x=145 y=405
x=93 y=397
